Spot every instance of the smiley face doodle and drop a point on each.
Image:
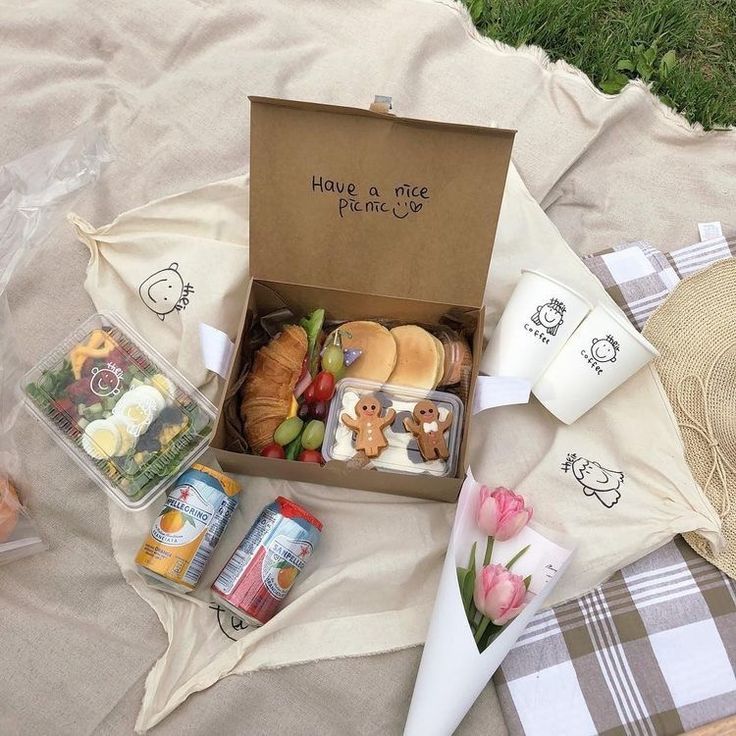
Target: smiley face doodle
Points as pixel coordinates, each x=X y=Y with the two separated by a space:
x=402 y=209
x=106 y=381
x=549 y=316
x=604 y=349
x=165 y=291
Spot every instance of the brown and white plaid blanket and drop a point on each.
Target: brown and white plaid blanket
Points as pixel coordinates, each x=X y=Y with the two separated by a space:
x=639 y=277
x=648 y=653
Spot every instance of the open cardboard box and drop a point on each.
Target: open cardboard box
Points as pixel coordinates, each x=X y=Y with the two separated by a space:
x=369 y=216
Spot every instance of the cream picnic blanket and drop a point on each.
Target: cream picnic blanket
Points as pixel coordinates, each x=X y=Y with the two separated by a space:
x=169 y=81
x=373 y=580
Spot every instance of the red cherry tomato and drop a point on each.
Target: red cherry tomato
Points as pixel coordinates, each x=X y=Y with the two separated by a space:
x=311 y=456
x=324 y=386
x=273 y=450
x=308 y=394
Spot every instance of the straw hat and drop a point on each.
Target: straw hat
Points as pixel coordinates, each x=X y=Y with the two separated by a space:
x=695 y=333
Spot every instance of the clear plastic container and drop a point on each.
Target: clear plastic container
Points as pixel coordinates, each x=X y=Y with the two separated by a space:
x=402 y=453
x=128 y=418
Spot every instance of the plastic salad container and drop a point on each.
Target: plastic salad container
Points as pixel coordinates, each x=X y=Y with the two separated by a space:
x=402 y=454
x=128 y=418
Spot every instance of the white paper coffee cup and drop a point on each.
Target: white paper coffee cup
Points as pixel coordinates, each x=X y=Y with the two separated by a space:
x=539 y=317
x=603 y=353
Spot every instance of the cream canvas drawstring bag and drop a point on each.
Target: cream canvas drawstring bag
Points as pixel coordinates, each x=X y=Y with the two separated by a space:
x=371 y=584
x=616 y=480
x=172 y=264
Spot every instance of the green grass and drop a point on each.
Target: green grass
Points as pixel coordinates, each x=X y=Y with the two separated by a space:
x=686 y=49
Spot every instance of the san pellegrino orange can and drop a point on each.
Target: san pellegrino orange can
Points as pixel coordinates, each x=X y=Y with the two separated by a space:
x=189 y=527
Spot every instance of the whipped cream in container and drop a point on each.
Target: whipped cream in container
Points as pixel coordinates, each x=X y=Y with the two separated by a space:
x=402 y=454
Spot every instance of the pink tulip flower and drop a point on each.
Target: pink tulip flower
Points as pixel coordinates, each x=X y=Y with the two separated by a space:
x=502 y=514
x=499 y=594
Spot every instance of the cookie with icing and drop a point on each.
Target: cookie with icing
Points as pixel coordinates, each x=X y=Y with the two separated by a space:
x=369 y=425
x=429 y=430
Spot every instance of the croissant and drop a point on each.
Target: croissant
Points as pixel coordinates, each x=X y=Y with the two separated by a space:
x=270 y=385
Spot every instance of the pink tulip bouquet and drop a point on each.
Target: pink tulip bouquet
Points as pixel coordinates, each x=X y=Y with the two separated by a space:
x=498 y=594
x=494 y=595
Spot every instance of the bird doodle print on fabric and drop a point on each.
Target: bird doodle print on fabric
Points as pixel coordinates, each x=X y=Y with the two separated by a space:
x=596 y=480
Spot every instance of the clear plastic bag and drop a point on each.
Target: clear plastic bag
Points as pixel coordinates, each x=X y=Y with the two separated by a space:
x=35 y=192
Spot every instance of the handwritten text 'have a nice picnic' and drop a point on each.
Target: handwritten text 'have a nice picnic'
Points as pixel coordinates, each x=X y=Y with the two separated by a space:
x=404 y=199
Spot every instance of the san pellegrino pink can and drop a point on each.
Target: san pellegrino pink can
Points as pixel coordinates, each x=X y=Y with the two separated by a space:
x=261 y=571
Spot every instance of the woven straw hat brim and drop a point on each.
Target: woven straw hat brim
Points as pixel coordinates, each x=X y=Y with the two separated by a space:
x=695 y=333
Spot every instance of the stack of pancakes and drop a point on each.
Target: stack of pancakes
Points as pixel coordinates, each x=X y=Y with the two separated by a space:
x=407 y=355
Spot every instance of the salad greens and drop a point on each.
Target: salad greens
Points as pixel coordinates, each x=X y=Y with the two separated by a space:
x=120 y=412
x=313 y=327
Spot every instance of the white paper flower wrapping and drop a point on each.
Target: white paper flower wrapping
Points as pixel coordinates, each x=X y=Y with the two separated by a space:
x=453 y=672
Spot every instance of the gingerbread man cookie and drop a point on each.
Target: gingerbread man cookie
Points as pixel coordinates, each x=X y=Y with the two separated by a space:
x=429 y=430
x=369 y=425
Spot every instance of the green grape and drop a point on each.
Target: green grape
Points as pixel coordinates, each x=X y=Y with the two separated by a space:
x=287 y=431
x=332 y=359
x=313 y=435
x=341 y=373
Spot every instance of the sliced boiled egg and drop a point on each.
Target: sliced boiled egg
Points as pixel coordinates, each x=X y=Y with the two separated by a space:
x=101 y=439
x=138 y=408
x=127 y=438
x=151 y=395
x=165 y=386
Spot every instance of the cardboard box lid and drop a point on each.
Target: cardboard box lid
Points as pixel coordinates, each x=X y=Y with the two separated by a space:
x=348 y=198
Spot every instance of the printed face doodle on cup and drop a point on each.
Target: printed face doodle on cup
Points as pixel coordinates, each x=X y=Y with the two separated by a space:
x=105 y=381
x=604 y=349
x=549 y=316
x=596 y=480
x=165 y=291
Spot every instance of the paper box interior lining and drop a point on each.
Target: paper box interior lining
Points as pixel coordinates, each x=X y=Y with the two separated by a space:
x=369 y=216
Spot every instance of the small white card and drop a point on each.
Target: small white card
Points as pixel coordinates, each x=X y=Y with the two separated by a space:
x=709 y=231
x=493 y=391
x=628 y=264
x=217 y=349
